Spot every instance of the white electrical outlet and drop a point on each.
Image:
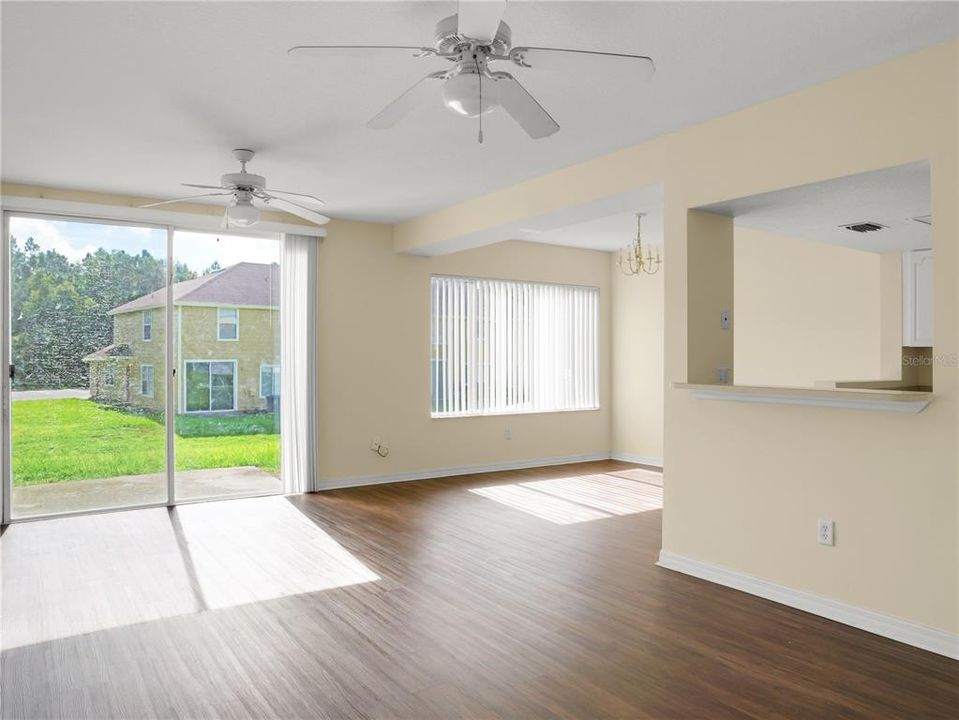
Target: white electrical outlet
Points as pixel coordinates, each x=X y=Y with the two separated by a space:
x=724 y=320
x=508 y=433
x=827 y=530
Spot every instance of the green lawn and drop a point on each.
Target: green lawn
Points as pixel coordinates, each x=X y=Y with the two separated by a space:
x=210 y=425
x=56 y=440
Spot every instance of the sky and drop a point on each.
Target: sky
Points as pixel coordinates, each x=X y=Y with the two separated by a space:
x=75 y=240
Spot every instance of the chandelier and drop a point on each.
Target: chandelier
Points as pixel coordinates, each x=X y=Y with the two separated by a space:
x=631 y=259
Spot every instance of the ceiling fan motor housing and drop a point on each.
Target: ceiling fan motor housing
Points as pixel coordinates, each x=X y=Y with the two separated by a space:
x=243 y=180
x=447 y=38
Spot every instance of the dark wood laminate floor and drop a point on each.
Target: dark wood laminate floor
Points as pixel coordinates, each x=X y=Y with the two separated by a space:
x=536 y=597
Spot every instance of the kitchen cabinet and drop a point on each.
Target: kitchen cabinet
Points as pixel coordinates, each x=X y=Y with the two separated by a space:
x=917 y=298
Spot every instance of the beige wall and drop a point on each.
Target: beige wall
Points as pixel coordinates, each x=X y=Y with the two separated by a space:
x=709 y=269
x=890 y=316
x=637 y=366
x=805 y=311
x=374 y=343
x=747 y=482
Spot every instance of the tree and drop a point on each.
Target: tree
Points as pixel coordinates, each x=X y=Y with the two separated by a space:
x=56 y=338
x=182 y=272
x=40 y=287
x=60 y=310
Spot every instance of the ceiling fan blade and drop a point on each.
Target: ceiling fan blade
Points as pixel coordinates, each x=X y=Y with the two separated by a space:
x=205 y=187
x=583 y=60
x=294 y=209
x=183 y=199
x=523 y=107
x=302 y=195
x=416 y=95
x=345 y=50
x=479 y=19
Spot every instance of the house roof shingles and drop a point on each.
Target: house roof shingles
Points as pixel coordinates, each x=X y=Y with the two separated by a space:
x=246 y=283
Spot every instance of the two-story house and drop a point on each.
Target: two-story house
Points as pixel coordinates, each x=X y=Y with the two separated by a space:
x=225 y=345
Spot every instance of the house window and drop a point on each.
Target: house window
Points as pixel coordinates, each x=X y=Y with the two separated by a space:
x=227 y=323
x=503 y=347
x=146 y=380
x=269 y=381
x=109 y=376
x=147 y=325
x=210 y=385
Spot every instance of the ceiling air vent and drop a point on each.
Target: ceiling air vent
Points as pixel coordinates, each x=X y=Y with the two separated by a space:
x=863 y=227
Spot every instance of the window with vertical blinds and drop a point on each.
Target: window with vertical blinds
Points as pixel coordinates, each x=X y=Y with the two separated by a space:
x=502 y=346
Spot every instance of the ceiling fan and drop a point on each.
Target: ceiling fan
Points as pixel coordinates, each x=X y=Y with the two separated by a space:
x=245 y=188
x=471 y=40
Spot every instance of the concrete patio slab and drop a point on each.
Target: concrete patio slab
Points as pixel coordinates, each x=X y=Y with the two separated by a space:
x=124 y=491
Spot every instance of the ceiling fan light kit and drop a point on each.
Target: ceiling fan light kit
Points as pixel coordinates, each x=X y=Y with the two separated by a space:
x=466 y=93
x=472 y=39
x=241 y=211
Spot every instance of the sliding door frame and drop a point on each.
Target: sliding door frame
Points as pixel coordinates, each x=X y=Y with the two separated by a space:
x=169 y=398
x=6 y=474
x=170 y=374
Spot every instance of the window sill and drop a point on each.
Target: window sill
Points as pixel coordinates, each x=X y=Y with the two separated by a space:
x=852 y=399
x=447 y=416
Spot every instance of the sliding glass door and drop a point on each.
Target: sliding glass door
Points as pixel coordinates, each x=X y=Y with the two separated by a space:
x=227 y=355
x=104 y=408
x=87 y=418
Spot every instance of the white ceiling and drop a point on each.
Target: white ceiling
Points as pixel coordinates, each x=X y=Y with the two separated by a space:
x=136 y=97
x=890 y=197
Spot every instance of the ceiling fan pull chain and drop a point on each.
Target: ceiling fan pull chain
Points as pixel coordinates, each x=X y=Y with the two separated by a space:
x=480 y=136
x=480 y=74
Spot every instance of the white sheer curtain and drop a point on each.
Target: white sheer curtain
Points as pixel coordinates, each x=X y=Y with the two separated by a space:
x=298 y=363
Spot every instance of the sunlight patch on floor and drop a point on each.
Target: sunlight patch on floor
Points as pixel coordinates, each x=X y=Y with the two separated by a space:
x=90 y=573
x=577 y=499
x=251 y=550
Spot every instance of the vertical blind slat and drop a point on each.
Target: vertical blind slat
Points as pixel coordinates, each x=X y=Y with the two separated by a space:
x=444 y=304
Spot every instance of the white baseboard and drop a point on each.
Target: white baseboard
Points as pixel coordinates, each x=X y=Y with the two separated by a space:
x=361 y=480
x=905 y=631
x=638 y=459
